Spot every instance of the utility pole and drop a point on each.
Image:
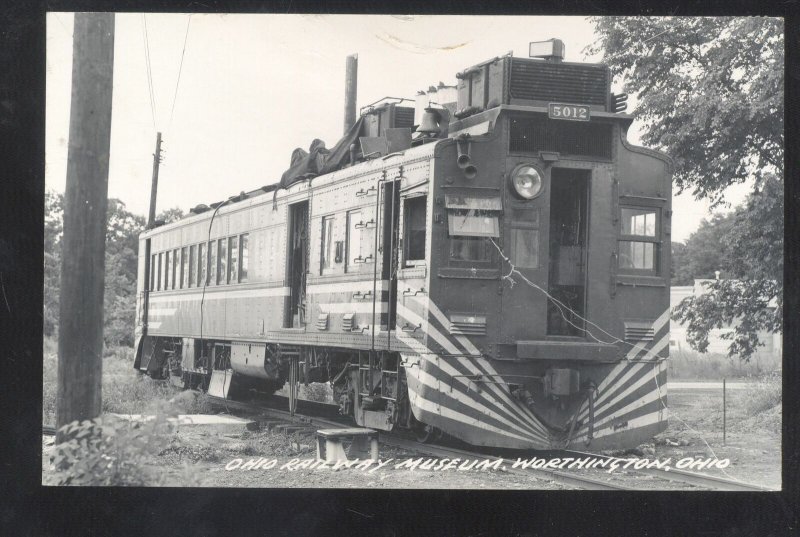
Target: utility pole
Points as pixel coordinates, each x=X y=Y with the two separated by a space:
x=80 y=341
x=151 y=219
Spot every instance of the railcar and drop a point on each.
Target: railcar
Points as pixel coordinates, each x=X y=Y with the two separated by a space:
x=494 y=266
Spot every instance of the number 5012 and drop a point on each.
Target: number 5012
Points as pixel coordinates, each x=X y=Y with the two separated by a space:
x=568 y=111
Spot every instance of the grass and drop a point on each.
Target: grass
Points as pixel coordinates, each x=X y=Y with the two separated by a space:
x=125 y=391
x=763 y=394
x=689 y=365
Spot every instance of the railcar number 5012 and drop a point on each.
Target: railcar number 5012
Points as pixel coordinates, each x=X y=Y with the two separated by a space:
x=568 y=111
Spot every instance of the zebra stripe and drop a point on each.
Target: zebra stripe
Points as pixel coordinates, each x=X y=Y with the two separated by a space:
x=474 y=366
x=473 y=410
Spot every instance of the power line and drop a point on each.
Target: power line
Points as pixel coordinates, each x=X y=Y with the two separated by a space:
x=149 y=72
x=180 y=68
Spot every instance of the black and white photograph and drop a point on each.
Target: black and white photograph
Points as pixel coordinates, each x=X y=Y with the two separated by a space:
x=462 y=252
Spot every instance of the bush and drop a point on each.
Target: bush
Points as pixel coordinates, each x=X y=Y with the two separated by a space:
x=763 y=394
x=110 y=451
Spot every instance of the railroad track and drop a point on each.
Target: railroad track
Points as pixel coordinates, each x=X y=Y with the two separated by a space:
x=674 y=475
x=438 y=451
x=684 y=476
x=566 y=478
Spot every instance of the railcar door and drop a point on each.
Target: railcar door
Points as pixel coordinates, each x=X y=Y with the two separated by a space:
x=569 y=202
x=390 y=241
x=297 y=259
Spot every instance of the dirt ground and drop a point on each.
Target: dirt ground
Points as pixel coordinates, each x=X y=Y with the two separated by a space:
x=752 y=444
x=205 y=459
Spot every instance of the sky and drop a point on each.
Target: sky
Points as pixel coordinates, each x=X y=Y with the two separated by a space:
x=252 y=88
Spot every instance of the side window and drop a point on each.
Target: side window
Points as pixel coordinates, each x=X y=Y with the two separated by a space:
x=202 y=265
x=160 y=271
x=326 y=257
x=192 y=265
x=175 y=271
x=243 y=254
x=167 y=256
x=414 y=210
x=222 y=261
x=639 y=239
x=212 y=263
x=153 y=272
x=184 y=268
x=233 y=260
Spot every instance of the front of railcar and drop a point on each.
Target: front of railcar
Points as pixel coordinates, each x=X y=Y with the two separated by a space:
x=547 y=314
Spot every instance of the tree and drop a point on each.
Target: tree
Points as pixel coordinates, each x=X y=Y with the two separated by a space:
x=53 y=229
x=709 y=93
x=170 y=215
x=122 y=245
x=704 y=253
x=678 y=260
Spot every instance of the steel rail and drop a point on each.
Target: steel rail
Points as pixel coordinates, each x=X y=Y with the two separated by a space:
x=563 y=478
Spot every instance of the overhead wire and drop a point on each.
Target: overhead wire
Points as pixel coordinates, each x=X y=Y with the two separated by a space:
x=180 y=69
x=557 y=302
x=558 y=305
x=146 y=40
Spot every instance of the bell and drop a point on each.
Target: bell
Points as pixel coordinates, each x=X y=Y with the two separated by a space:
x=429 y=125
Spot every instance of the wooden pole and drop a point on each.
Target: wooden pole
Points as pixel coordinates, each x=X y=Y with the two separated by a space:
x=80 y=341
x=151 y=220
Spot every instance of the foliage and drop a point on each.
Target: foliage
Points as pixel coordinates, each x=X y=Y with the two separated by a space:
x=703 y=253
x=755 y=239
x=709 y=93
x=122 y=246
x=112 y=451
x=53 y=229
x=49 y=379
x=125 y=391
x=170 y=215
x=745 y=302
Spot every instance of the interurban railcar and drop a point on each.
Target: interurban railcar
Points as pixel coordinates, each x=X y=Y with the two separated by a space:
x=502 y=275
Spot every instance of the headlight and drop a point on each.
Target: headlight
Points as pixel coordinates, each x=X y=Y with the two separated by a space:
x=527 y=181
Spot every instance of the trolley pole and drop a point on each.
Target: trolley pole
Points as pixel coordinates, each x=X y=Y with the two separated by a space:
x=80 y=342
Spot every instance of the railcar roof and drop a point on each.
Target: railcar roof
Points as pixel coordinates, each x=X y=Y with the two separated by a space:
x=257 y=196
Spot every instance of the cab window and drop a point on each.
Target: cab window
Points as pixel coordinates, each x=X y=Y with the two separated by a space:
x=639 y=241
x=470 y=231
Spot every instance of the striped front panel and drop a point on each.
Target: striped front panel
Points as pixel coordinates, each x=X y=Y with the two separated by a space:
x=629 y=405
